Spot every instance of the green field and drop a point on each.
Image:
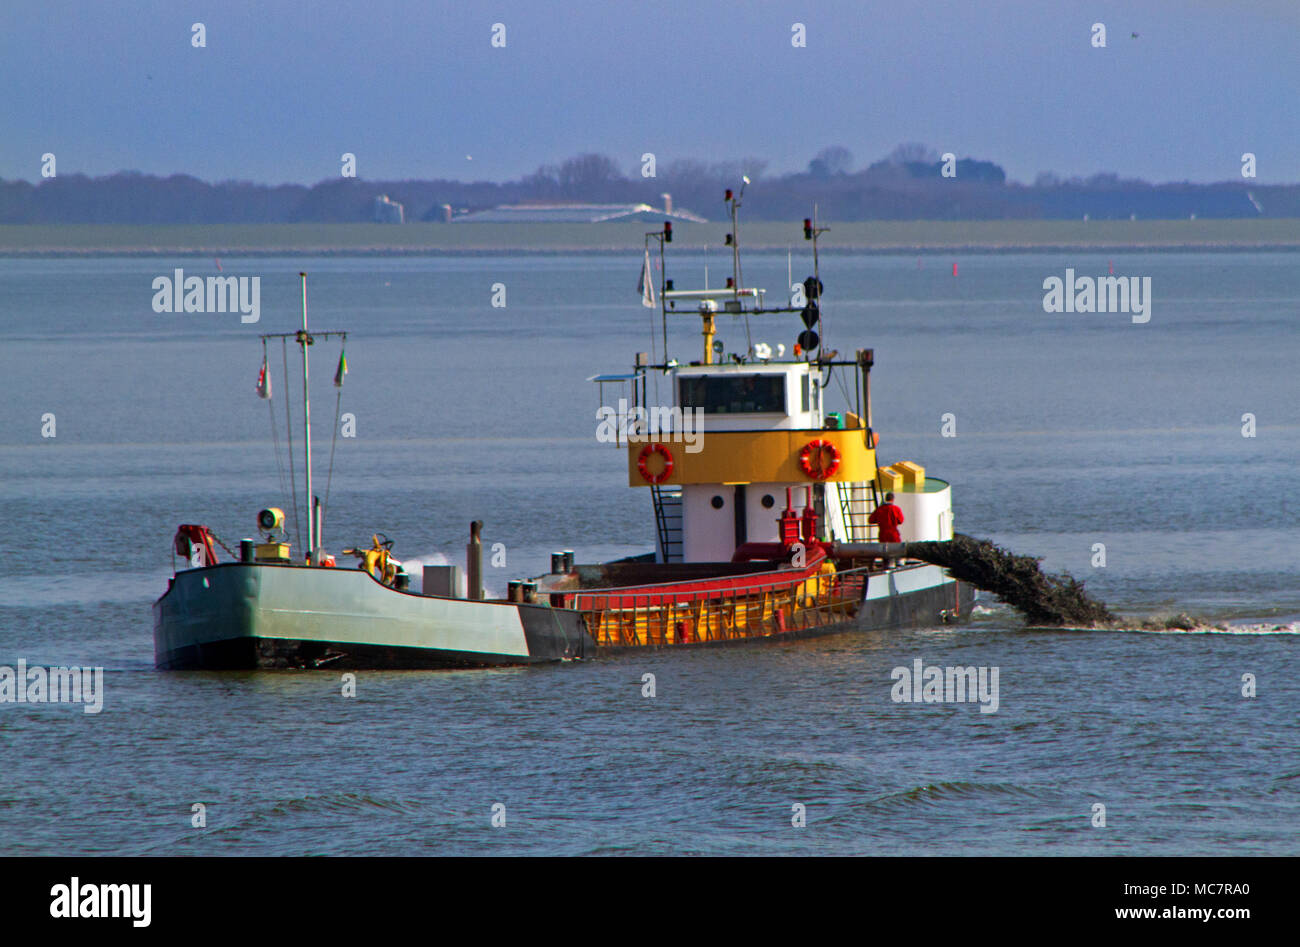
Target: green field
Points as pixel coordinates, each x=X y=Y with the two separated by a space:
x=434 y=238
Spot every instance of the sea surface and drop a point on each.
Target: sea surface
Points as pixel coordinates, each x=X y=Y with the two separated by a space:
x=1072 y=430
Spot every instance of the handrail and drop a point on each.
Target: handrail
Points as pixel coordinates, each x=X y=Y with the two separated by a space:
x=598 y=600
x=711 y=614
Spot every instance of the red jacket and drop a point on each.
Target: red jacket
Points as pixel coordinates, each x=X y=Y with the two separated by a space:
x=888 y=517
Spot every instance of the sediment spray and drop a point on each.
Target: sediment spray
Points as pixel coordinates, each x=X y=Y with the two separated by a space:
x=1043 y=599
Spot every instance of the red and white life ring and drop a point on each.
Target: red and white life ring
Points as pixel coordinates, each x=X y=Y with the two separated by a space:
x=819 y=469
x=642 y=463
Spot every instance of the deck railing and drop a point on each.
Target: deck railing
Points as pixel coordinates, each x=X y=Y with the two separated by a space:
x=671 y=617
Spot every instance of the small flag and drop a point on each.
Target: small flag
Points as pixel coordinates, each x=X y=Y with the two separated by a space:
x=264 y=381
x=646 y=286
x=342 y=369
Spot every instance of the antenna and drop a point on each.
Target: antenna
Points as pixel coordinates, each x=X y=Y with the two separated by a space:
x=305 y=340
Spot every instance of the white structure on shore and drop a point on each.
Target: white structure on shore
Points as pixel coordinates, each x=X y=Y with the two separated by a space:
x=388 y=211
x=572 y=212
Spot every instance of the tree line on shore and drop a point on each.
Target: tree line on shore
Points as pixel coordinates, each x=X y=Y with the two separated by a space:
x=911 y=183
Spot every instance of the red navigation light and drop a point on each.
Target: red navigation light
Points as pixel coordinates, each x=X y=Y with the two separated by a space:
x=728 y=197
x=668 y=231
x=730 y=283
x=807 y=228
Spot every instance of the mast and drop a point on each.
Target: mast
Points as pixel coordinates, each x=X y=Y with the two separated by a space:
x=811 y=231
x=817 y=275
x=733 y=239
x=663 y=236
x=305 y=340
x=315 y=512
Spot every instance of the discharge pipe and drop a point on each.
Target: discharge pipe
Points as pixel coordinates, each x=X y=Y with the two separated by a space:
x=868 y=550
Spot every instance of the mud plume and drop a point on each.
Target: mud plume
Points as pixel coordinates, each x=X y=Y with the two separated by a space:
x=1017 y=580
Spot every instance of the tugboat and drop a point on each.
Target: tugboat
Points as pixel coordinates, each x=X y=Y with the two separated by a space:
x=762 y=499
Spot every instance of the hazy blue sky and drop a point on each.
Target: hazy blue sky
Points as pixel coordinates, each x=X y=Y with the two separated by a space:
x=413 y=88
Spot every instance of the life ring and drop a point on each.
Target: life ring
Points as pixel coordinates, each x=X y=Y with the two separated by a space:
x=643 y=465
x=816 y=448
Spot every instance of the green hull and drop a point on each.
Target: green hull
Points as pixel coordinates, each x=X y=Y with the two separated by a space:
x=260 y=615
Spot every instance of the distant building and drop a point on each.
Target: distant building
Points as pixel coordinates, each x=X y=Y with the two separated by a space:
x=576 y=213
x=389 y=211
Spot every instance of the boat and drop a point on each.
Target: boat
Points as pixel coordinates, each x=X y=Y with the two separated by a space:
x=762 y=502
x=762 y=498
x=266 y=609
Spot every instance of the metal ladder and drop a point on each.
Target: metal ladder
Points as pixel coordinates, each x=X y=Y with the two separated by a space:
x=668 y=520
x=857 y=502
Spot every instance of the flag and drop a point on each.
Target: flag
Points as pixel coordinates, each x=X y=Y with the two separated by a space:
x=264 y=381
x=342 y=369
x=646 y=286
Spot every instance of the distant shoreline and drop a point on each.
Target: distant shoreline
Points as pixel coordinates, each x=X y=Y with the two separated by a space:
x=480 y=239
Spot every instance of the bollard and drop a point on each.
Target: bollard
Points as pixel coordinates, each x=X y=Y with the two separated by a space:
x=557 y=562
x=568 y=561
x=247 y=550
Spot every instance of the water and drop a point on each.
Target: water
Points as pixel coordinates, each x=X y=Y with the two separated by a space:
x=1072 y=430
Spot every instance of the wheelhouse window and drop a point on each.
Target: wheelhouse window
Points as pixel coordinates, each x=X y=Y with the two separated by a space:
x=734 y=394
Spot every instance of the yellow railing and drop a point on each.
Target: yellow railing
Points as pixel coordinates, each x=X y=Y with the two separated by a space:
x=654 y=619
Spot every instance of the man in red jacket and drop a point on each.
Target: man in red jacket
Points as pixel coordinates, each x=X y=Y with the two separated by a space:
x=887 y=518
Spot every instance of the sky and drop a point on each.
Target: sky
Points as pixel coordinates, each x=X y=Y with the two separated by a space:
x=417 y=90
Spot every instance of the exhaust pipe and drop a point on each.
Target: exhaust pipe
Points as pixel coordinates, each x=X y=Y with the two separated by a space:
x=474 y=563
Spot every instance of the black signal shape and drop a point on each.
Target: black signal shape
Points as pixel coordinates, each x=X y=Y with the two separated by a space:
x=811 y=313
